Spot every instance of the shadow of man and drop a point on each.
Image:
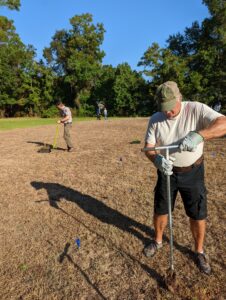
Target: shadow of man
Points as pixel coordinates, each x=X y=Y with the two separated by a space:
x=45 y=144
x=93 y=207
x=105 y=214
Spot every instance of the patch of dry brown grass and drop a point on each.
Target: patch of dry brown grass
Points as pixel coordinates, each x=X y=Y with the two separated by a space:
x=103 y=195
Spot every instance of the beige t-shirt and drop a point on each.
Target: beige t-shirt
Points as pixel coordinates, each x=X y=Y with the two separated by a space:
x=66 y=112
x=194 y=116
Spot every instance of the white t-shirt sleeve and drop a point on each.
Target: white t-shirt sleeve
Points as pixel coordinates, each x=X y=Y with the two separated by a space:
x=208 y=115
x=150 y=137
x=67 y=111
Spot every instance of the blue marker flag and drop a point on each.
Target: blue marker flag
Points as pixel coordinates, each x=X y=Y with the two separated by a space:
x=77 y=242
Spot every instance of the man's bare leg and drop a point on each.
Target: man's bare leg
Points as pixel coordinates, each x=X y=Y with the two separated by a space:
x=198 y=229
x=160 y=223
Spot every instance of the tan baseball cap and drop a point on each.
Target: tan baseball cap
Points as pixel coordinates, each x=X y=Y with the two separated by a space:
x=167 y=95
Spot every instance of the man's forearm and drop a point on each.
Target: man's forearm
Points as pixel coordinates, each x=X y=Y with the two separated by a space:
x=151 y=155
x=215 y=130
x=64 y=119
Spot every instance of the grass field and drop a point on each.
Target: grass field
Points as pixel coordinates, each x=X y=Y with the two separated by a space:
x=101 y=194
x=13 y=123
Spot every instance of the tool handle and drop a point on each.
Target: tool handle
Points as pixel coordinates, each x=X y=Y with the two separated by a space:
x=159 y=148
x=170 y=214
x=56 y=136
x=168 y=193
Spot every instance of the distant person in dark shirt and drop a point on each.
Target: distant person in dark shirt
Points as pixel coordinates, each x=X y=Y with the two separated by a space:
x=98 y=113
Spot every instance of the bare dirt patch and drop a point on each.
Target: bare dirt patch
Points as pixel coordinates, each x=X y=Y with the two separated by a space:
x=101 y=194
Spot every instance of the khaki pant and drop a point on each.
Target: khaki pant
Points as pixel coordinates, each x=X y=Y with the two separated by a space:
x=67 y=136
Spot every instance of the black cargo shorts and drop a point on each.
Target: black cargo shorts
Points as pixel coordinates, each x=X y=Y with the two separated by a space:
x=192 y=189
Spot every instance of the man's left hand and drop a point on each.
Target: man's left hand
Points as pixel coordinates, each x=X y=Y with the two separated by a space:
x=191 y=141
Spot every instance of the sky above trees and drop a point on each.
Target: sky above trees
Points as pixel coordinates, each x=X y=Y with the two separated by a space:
x=131 y=26
x=77 y=67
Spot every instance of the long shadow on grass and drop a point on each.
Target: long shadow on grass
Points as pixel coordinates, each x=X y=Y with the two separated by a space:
x=93 y=207
x=47 y=145
x=101 y=211
x=105 y=214
x=64 y=255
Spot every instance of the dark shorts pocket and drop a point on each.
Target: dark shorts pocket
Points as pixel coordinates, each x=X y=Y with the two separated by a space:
x=193 y=193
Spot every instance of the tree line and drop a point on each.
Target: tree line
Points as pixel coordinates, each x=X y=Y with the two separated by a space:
x=72 y=70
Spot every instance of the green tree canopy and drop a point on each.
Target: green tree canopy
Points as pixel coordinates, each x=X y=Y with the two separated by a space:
x=195 y=59
x=75 y=55
x=11 y=4
x=16 y=63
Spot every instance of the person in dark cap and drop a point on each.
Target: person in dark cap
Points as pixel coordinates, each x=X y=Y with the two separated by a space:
x=187 y=124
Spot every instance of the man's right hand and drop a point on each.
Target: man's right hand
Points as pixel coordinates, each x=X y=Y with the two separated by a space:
x=191 y=141
x=164 y=165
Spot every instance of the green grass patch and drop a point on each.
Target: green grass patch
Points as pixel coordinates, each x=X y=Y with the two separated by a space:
x=23 y=267
x=12 y=123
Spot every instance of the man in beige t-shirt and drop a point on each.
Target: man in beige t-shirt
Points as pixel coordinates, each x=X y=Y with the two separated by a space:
x=66 y=119
x=187 y=124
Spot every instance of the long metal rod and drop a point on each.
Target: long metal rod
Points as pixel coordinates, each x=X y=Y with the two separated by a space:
x=159 y=148
x=167 y=148
x=170 y=215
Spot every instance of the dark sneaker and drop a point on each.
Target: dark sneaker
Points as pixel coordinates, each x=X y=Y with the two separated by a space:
x=203 y=263
x=152 y=248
